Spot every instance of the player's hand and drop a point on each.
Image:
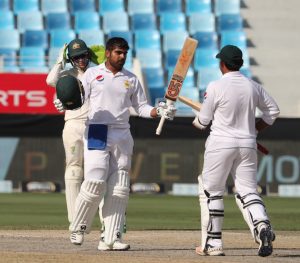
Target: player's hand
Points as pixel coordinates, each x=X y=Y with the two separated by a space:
x=168 y=111
x=198 y=125
x=61 y=59
x=58 y=105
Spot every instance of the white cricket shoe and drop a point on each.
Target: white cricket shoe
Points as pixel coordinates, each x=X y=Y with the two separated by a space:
x=266 y=236
x=77 y=237
x=117 y=246
x=210 y=251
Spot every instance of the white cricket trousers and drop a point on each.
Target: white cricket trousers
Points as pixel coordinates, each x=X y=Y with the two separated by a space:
x=241 y=163
x=97 y=163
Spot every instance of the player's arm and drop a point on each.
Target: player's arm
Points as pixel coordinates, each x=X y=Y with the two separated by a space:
x=56 y=70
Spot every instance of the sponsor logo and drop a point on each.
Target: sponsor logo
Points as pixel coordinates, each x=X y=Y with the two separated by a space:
x=100 y=78
x=127 y=84
x=29 y=98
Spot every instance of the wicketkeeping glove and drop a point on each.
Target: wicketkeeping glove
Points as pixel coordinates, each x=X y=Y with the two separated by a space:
x=61 y=59
x=167 y=111
x=58 y=105
x=97 y=54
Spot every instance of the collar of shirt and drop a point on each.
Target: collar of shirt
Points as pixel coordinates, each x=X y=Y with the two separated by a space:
x=231 y=73
x=103 y=67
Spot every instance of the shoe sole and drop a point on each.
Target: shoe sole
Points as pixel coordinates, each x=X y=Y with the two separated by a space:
x=266 y=248
x=201 y=252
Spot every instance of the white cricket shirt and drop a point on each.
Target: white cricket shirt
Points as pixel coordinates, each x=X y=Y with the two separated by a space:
x=110 y=96
x=230 y=103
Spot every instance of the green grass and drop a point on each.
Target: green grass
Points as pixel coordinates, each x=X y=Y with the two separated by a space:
x=48 y=211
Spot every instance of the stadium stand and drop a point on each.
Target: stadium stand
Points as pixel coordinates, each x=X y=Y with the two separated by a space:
x=154 y=29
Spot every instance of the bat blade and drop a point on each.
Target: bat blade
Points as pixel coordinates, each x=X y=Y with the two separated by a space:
x=182 y=65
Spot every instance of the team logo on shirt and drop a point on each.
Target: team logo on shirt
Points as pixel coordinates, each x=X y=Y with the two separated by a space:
x=100 y=78
x=127 y=84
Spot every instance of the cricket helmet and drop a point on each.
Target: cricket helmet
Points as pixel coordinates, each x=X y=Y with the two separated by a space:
x=70 y=92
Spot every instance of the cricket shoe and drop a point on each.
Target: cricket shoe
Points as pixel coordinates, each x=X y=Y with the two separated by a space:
x=266 y=236
x=210 y=251
x=77 y=237
x=117 y=246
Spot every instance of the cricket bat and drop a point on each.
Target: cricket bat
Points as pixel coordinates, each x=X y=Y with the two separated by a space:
x=197 y=106
x=182 y=65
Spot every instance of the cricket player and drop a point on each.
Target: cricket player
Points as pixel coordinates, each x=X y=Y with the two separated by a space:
x=229 y=106
x=80 y=56
x=111 y=90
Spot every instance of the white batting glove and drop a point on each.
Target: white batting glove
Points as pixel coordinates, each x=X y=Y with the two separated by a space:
x=58 y=105
x=167 y=111
x=61 y=59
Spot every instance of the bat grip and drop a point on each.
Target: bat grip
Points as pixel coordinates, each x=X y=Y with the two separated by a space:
x=160 y=125
x=262 y=149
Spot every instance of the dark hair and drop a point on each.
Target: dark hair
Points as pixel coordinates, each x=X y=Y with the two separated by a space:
x=234 y=67
x=116 y=42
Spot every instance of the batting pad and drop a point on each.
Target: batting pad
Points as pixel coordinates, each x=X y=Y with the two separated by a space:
x=86 y=205
x=73 y=180
x=253 y=210
x=114 y=208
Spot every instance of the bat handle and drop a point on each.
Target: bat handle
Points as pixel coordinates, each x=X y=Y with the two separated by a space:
x=160 y=125
x=262 y=149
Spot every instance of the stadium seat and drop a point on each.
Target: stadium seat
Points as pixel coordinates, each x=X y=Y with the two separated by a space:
x=32 y=57
x=92 y=37
x=11 y=69
x=149 y=58
x=25 y=6
x=124 y=34
x=229 y=22
x=59 y=37
x=7 y=20
x=140 y=7
x=189 y=81
x=227 y=7
x=82 y=5
x=168 y=6
x=128 y=63
x=206 y=39
x=154 y=77
x=9 y=39
x=52 y=56
x=35 y=38
x=54 y=6
x=202 y=22
x=206 y=75
x=31 y=20
x=237 y=38
x=173 y=40
x=205 y=57
x=171 y=57
x=172 y=22
x=4 y=5
x=9 y=57
x=156 y=94
x=58 y=21
x=107 y=6
x=86 y=20
x=147 y=39
x=115 y=21
x=246 y=71
x=143 y=21
x=197 y=6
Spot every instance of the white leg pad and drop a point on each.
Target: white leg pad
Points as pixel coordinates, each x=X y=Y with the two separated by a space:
x=253 y=210
x=73 y=180
x=115 y=204
x=87 y=203
x=212 y=216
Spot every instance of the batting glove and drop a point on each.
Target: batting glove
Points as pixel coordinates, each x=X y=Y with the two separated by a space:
x=58 y=105
x=61 y=59
x=168 y=111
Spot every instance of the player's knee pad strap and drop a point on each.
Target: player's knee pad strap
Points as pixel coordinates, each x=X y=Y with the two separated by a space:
x=253 y=210
x=115 y=204
x=87 y=203
x=73 y=180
